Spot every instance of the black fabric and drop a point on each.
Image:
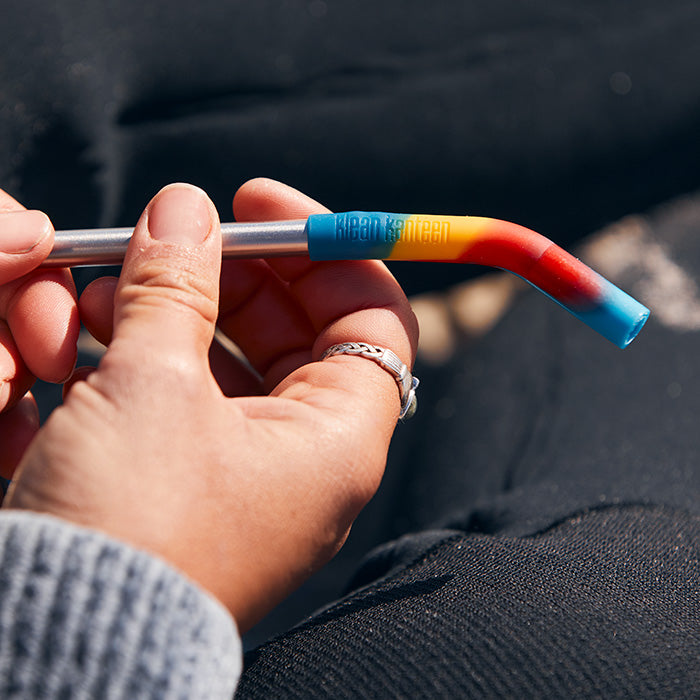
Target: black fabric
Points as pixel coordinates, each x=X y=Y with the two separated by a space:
x=604 y=604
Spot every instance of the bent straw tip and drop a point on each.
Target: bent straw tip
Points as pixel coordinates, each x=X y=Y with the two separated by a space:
x=617 y=316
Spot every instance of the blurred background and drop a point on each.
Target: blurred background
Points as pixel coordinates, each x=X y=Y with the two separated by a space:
x=562 y=116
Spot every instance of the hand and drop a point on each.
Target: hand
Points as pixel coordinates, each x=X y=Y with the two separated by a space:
x=39 y=324
x=247 y=484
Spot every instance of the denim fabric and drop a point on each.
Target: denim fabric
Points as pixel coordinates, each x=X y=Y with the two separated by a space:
x=604 y=604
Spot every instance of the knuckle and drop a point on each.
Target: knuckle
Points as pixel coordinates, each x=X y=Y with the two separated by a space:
x=159 y=284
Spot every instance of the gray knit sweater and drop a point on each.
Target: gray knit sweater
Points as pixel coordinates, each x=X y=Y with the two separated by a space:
x=84 y=616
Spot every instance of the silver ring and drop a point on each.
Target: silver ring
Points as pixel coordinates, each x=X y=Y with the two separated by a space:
x=388 y=361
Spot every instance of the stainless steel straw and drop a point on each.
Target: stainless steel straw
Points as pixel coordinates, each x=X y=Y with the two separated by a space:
x=107 y=246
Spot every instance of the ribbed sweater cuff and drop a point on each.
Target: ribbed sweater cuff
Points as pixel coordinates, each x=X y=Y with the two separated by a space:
x=84 y=616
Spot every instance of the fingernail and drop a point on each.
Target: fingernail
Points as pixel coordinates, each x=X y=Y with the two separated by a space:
x=21 y=231
x=180 y=214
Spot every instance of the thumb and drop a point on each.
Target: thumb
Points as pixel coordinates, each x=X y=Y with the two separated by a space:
x=166 y=303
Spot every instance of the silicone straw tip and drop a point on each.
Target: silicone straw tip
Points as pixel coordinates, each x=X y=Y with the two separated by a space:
x=618 y=316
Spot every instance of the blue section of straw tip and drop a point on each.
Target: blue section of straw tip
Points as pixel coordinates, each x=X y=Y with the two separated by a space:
x=617 y=316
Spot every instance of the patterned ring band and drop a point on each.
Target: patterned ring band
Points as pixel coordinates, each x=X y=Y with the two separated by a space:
x=388 y=361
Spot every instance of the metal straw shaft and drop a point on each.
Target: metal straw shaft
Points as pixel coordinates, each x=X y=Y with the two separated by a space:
x=107 y=246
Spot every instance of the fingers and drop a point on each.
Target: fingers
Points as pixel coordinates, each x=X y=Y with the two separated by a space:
x=257 y=310
x=263 y=199
x=40 y=309
x=324 y=290
x=15 y=378
x=166 y=301
x=297 y=296
x=96 y=306
x=342 y=301
x=17 y=429
x=362 y=304
x=264 y=319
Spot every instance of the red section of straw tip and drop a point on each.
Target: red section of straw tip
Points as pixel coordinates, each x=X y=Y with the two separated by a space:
x=535 y=258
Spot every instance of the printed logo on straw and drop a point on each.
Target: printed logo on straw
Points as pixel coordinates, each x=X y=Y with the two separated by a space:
x=373 y=227
x=356 y=227
x=418 y=230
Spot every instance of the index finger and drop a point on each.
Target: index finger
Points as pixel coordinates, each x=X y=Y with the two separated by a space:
x=331 y=291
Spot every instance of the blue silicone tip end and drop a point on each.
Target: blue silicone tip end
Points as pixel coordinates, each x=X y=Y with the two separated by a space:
x=617 y=316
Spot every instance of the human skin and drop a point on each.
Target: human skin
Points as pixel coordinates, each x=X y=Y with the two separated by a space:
x=39 y=324
x=245 y=483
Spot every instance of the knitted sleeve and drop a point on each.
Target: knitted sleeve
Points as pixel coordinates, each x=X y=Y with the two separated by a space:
x=84 y=616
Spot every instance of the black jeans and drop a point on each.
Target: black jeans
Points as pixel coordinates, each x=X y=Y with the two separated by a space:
x=552 y=486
